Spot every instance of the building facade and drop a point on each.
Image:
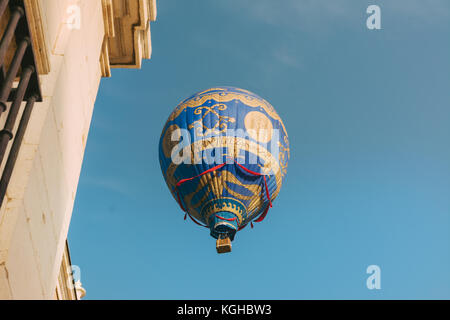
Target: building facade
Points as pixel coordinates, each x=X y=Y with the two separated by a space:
x=72 y=45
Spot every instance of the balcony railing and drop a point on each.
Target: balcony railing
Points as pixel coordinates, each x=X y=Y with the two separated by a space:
x=19 y=82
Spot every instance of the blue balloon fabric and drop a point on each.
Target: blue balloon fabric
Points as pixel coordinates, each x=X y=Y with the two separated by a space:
x=224 y=154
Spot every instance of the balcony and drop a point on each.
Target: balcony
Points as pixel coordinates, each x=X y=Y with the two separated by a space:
x=19 y=83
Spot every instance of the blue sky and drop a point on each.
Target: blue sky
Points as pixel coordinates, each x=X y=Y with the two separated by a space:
x=368 y=182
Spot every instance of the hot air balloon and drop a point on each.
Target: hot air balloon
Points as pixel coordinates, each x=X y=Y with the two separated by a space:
x=224 y=154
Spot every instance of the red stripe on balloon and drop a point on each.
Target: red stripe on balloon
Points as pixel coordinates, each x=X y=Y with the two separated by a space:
x=226 y=219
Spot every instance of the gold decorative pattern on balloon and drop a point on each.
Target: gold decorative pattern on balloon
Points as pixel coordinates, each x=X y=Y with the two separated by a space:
x=167 y=143
x=227 y=96
x=235 y=145
x=219 y=127
x=214 y=206
x=215 y=184
x=254 y=189
x=283 y=157
x=258 y=126
x=202 y=184
x=211 y=89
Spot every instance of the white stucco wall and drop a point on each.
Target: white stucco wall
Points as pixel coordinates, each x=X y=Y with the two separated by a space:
x=35 y=217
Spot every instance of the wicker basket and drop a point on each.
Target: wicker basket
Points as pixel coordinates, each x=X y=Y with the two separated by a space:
x=223 y=245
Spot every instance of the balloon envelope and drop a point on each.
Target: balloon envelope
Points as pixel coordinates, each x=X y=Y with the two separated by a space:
x=224 y=154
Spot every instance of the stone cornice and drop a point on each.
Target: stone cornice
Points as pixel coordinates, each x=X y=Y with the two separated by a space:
x=127 y=33
x=34 y=17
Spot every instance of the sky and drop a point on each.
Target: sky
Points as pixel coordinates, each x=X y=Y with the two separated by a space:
x=368 y=182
